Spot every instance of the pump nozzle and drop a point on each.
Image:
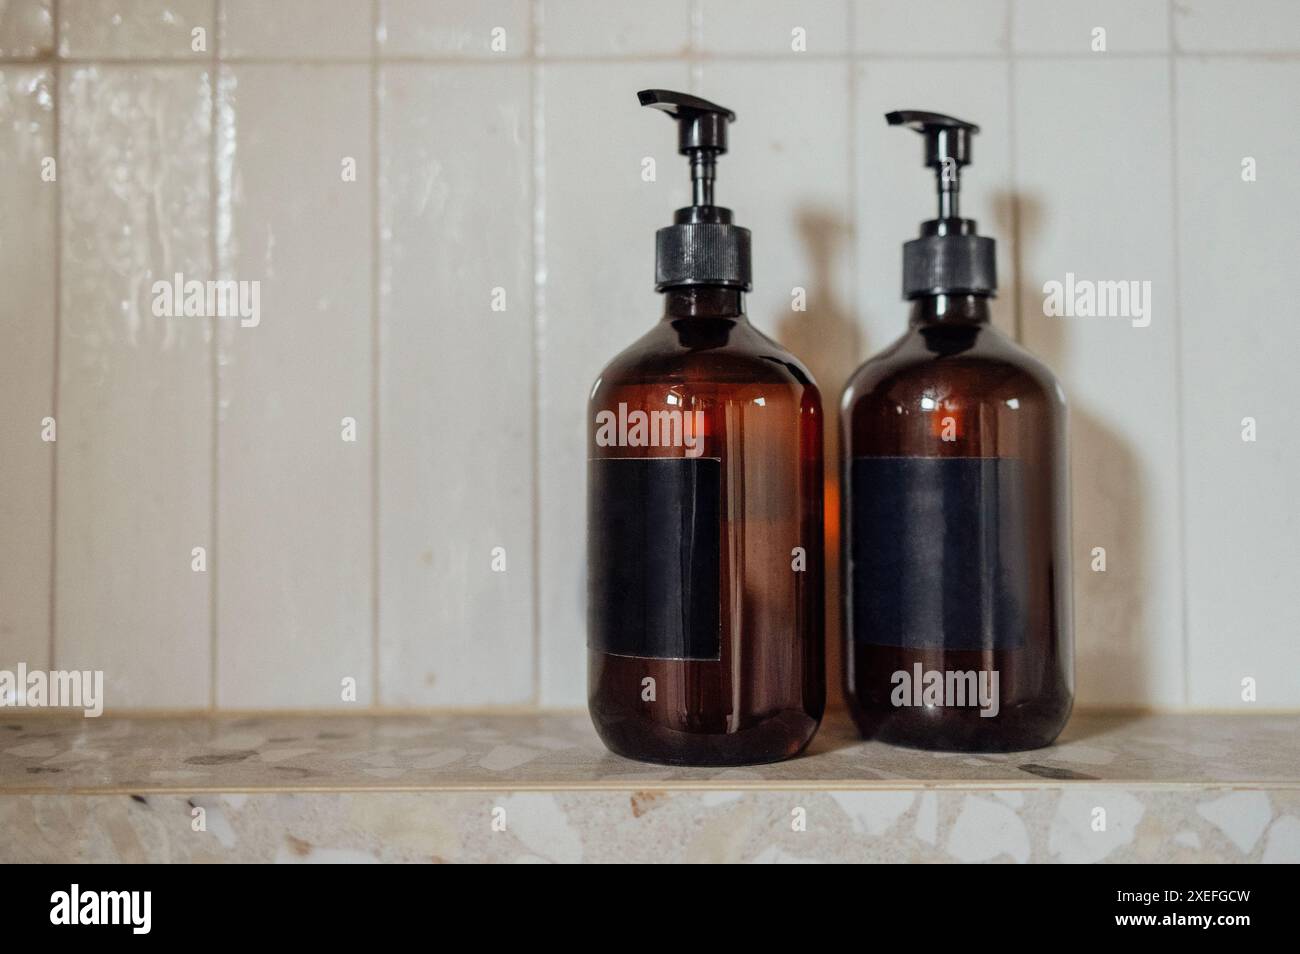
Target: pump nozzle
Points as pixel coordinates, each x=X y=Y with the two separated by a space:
x=949 y=257
x=701 y=134
x=947 y=149
x=702 y=246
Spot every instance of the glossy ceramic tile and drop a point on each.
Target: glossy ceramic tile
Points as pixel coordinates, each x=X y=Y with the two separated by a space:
x=296 y=425
x=773 y=27
x=1265 y=26
x=377 y=559
x=614 y=28
x=28 y=255
x=457 y=444
x=1237 y=262
x=1095 y=202
x=134 y=465
x=127 y=29
x=26 y=29
x=785 y=175
x=885 y=27
x=1071 y=26
x=599 y=222
x=490 y=28
x=295 y=28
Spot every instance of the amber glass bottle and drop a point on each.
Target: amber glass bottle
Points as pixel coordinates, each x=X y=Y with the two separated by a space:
x=957 y=591
x=956 y=527
x=705 y=583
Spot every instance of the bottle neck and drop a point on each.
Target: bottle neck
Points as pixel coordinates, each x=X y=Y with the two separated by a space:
x=950 y=309
x=704 y=301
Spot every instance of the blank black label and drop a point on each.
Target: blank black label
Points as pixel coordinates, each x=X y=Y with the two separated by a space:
x=653 y=543
x=938 y=552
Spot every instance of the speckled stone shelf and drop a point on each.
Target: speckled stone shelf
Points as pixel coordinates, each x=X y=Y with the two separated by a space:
x=460 y=787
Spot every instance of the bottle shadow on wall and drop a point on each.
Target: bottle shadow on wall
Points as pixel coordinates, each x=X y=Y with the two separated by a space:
x=828 y=339
x=1107 y=499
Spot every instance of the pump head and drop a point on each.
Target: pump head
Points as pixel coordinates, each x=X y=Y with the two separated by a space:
x=702 y=246
x=949 y=257
x=701 y=134
x=947 y=149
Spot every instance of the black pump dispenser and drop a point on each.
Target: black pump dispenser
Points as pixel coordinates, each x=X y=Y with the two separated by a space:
x=948 y=258
x=702 y=246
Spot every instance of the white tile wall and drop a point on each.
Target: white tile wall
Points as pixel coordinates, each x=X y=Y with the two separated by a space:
x=294 y=497
x=128 y=29
x=1091 y=150
x=26 y=28
x=28 y=278
x=1237 y=265
x=456 y=457
x=499 y=145
x=1211 y=26
x=773 y=27
x=295 y=28
x=1069 y=26
x=484 y=28
x=134 y=465
x=598 y=28
x=889 y=28
x=785 y=177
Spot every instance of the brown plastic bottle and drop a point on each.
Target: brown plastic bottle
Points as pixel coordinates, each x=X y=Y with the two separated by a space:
x=956 y=573
x=705 y=574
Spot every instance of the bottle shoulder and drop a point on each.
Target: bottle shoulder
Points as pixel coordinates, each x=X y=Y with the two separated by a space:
x=717 y=351
x=929 y=362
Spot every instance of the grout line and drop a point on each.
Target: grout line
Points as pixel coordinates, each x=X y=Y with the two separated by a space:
x=695 y=53
x=1179 y=408
x=536 y=92
x=214 y=357
x=56 y=81
x=376 y=364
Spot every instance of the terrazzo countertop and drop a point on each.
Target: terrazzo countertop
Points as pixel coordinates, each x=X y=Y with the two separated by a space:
x=527 y=787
